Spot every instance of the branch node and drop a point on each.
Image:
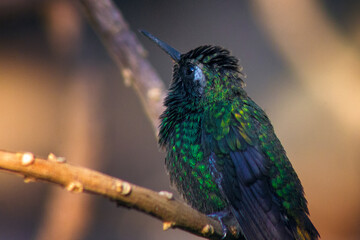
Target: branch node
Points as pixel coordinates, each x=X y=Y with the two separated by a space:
x=61 y=159
x=167 y=194
x=52 y=157
x=29 y=179
x=167 y=225
x=207 y=230
x=127 y=75
x=27 y=159
x=154 y=94
x=123 y=188
x=75 y=187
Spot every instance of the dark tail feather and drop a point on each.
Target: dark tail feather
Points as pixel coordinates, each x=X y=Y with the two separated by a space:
x=307 y=231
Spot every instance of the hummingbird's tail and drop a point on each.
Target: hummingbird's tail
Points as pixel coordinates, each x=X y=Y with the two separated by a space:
x=306 y=230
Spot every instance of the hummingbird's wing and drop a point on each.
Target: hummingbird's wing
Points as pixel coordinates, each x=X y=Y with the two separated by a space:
x=232 y=139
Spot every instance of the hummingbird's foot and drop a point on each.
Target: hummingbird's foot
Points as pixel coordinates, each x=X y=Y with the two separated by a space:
x=220 y=216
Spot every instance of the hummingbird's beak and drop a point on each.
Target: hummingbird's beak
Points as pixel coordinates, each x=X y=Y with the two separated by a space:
x=174 y=54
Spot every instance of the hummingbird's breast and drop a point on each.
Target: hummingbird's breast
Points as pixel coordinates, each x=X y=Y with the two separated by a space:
x=191 y=168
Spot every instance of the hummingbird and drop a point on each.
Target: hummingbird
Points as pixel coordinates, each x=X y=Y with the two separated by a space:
x=222 y=153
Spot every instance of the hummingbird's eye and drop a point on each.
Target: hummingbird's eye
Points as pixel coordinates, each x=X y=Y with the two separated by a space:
x=190 y=70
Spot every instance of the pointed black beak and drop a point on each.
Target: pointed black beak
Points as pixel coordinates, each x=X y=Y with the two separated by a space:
x=174 y=54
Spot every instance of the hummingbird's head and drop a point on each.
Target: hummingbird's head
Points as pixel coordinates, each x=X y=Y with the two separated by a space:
x=204 y=74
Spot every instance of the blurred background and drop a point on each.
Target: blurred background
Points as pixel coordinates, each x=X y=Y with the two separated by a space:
x=60 y=92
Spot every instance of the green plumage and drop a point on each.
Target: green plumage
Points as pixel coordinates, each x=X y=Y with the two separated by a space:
x=222 y=152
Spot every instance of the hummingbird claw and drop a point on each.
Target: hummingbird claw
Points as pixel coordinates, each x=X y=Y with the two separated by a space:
x=219 y=216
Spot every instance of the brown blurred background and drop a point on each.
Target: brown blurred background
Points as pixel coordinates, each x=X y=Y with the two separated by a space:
x=60 y=92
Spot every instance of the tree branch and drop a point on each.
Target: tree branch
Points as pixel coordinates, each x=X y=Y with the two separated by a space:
x=128 y=54
x=162 y=205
